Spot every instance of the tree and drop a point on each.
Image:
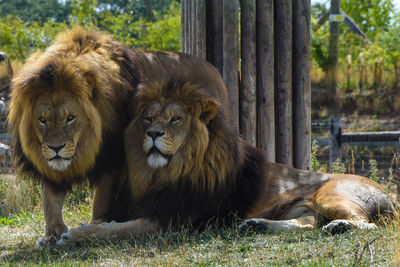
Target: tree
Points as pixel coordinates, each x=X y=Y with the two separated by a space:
x=372 y=16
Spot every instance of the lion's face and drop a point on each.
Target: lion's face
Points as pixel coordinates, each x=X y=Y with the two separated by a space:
x=166 y=127
x=58 y=126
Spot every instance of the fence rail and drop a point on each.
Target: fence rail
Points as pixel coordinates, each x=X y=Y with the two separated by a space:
x=337 y=138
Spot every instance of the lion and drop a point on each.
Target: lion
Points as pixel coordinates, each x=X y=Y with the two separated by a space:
x=69 y=108
x=186 y=165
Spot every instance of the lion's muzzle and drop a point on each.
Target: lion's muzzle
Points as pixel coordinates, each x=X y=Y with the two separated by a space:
x=157 y=152
x=58 y=157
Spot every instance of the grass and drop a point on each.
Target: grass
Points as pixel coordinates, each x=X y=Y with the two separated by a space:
x=23 y=224
x=207 y=248
x=212 y=247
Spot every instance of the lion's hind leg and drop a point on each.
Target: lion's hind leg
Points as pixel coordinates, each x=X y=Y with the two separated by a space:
x=350 y=202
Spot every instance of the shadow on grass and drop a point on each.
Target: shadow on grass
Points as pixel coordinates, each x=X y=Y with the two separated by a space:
x=144 y=246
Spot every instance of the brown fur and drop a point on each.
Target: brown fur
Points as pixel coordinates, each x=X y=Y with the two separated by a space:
x=79 y=74
x=208 y=172
x=88 y=73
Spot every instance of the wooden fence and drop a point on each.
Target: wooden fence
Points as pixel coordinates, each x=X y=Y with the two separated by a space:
x=268 y=78
x=337 y=139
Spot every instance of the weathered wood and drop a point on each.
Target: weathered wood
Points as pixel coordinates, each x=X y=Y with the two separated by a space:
x=230 y=59
x=201 y=28
x=331 y=73
x=283 y=80
x=214 y=32
x=248 y=96
x=301 y=84
x=265 y=78
x=188 y=26
x=183 y=25
x=193 y=27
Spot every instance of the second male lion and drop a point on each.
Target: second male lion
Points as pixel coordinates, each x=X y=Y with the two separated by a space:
x=187 y=165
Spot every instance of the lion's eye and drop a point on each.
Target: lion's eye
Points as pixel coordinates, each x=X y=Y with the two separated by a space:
x=42 y=121
x=70 y=119
x=175 y=120
x=148 y=119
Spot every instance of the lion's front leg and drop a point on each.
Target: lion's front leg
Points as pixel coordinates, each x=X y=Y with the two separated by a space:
x=53 y=201
x=103 y=197
x=115 y=230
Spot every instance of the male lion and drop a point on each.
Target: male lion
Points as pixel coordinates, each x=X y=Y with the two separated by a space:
x=186 y=165
x=69 y=108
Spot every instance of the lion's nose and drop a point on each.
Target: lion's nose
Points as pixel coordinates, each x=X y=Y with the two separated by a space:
x=154 y=134
x=56 y=148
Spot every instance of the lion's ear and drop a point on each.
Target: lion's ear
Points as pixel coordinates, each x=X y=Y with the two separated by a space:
x=209 y=110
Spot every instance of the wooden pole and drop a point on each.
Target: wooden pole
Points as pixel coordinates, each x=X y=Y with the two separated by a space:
x=201 y=28
x=283 y=80
x=189 y=26
x=248 y=97
x=301 y=84
x=183 y=25
x=193 y=27
x=265 y=78
x=230 y=22
x=214 y=10
x=333 y=57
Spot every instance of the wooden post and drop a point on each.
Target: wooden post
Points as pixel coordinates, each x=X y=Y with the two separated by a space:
x=201 y=28
x=265 y=78
x=230 y=59
x=333 y=56
x=214 y=10
x=335 y=150
x=193 y=22
x=247 y=96
x=270 y=96
x=283 y=81
x=301 y=84
x=183 y=25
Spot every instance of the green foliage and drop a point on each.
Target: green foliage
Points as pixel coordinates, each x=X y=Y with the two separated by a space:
x=162 y=34
x=337 y=167
x=20 y=37
x=315 y=164
x=373 y=170
x=371 y=16
x=377 y=19
x=36 y=10
x=6 y=221
x=83 y=13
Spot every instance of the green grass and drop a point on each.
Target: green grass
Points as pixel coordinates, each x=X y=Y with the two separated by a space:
x=207 y=248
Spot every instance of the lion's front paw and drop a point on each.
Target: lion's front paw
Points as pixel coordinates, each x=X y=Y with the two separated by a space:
x=337 y=227
x=254 y=224
x=79 y=234
x=85 y=232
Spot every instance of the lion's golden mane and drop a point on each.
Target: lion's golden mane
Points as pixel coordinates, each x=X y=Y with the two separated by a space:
x=85 y=65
